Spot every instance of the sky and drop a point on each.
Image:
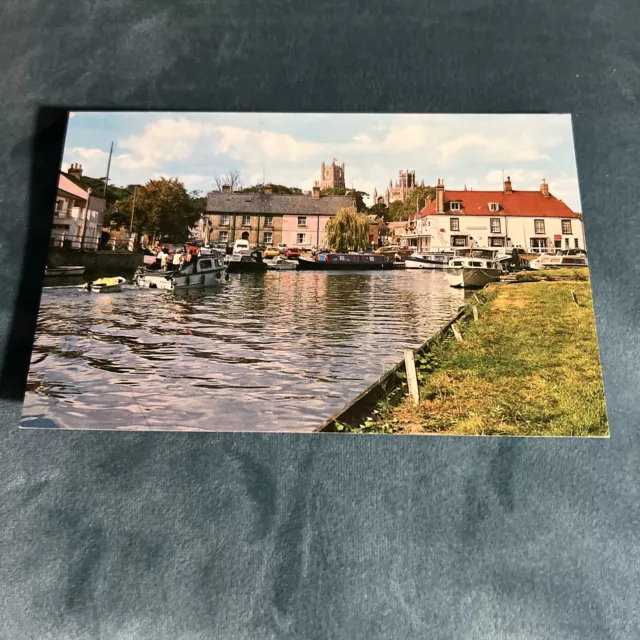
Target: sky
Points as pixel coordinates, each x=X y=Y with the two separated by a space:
x=288 y=148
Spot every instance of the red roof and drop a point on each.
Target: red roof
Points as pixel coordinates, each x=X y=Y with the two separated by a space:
x=66 y=185
x=516 y=203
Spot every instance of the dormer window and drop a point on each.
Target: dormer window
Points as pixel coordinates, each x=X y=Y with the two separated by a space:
x=455 y=206
x=494 y=206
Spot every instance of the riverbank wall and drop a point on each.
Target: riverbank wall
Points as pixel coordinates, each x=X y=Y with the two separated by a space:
x=356 y=411
x=101 y=263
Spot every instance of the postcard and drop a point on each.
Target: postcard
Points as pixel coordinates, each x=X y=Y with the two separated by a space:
x=346 y=273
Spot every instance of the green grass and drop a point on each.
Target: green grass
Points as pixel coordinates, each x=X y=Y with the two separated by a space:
x=530 y=367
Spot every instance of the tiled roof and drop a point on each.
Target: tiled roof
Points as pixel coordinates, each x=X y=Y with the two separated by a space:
x=516 y=203
x=272 y=204
x=397 y=225
x=66 y=185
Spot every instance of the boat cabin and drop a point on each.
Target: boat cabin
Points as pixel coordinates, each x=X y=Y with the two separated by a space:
x=474 y=262
x=351 y=258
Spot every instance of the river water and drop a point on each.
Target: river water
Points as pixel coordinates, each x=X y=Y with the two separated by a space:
x=280 y=351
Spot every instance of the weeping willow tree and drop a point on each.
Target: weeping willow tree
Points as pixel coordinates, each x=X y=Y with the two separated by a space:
x=348 y=230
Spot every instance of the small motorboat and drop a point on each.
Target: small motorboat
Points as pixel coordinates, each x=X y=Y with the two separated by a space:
x=63 y=272
x=561 y=259
x=281 y=264
x=245 y=263
x=473 y=271
x=201 y=271
x=104 y=285
x=429 y=260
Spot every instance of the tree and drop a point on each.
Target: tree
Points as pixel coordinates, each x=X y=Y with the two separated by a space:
x=275 y=188
x=232 y=179
x=348 y=230
x=396 y=211
x=342 y=191
x=380 y=209
x=164 y=210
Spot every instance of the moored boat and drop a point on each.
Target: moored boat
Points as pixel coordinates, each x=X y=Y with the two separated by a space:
x=473 y=271
x=345 y=262
x=63 y=272
x=200 y=272
x=281 y=264
x=429 y=260
x=561 y=259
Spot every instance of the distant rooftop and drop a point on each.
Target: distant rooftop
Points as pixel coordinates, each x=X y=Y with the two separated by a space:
x=271 y=204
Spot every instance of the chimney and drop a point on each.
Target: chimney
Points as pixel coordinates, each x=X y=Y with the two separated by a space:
x=507 y=185
x=316 y=190
x=544 y=188
x=226 y=188
x=440 y=196
x=75 y=170
x=267 y=190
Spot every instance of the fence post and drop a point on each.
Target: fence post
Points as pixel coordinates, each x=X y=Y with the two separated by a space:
x=456 y=332
x=412 y=376
x=475 y=313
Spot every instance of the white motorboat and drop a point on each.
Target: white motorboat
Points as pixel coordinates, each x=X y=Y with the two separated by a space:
x=62 y=272
x=570 y=258
x=428 y=260
x=281 y=264
x=473 y=271
x=200 y=272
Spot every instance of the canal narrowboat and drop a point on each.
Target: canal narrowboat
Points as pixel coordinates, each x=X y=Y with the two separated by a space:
x=473 y=271
x=345 y=262
x=200 y=272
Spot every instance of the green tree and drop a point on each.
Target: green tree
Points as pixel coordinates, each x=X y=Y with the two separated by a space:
x=164 y=210
x=396 y=211
x=275 y=188
x=342 y=191
x=348 y=230
x=381 y=210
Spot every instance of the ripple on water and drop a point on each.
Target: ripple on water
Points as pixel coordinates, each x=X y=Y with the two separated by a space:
x=274 y=352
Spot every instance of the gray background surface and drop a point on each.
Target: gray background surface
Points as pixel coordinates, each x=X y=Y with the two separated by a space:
x=161 y=535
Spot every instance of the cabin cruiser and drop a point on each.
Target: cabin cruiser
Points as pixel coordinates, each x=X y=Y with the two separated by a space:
x=243 y=260
x=201 y=271
x=429 y=259
x=281 y=264
x=560 y=259
x=473 y=271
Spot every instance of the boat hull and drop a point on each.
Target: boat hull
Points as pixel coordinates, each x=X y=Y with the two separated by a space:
x=471 y=277
x=168 y=281
x=425 y=263
x=317 y=265
x=62 y=272
x=246 y=266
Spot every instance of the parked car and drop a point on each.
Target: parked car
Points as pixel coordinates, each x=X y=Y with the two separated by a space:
x=292 y=252
x=271 y=252
x=281 y=247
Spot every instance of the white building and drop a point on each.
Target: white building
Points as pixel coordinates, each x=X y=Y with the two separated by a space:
x=534 y=220
x=77 y=218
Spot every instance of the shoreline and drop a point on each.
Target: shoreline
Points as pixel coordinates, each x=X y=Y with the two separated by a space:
x=529 y=366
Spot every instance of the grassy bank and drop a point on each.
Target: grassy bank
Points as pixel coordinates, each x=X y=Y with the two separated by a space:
x=529 y=366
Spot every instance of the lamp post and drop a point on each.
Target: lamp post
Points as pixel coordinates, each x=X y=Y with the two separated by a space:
x=84 y=223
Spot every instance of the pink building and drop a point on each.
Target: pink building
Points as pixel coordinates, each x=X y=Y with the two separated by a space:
x=304 y=231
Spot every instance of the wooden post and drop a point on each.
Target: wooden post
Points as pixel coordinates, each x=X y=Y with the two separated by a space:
x=456 y=332
x=475 y=313
x=412 y=376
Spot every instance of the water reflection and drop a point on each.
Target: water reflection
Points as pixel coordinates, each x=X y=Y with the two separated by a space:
x=275 y=351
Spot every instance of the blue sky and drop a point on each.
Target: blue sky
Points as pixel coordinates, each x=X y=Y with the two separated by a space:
x=471 y=150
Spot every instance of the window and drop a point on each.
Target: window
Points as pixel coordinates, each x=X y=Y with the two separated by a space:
x=495 y=225
x=224 y=221
x=455 y=206
x=458 y=241
x=302 y=221
x=475 y=264
x=454 y=224
x=494 y=206
x=268 y=221
x=496 y=242
x=577 y=244
x=301 y=238
x=224 y=236
x=268 y=237
x=566 y=243
x=538 y=244
x=539 y=226
x=246 y=221
x=204 y=264
x=566 y=226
